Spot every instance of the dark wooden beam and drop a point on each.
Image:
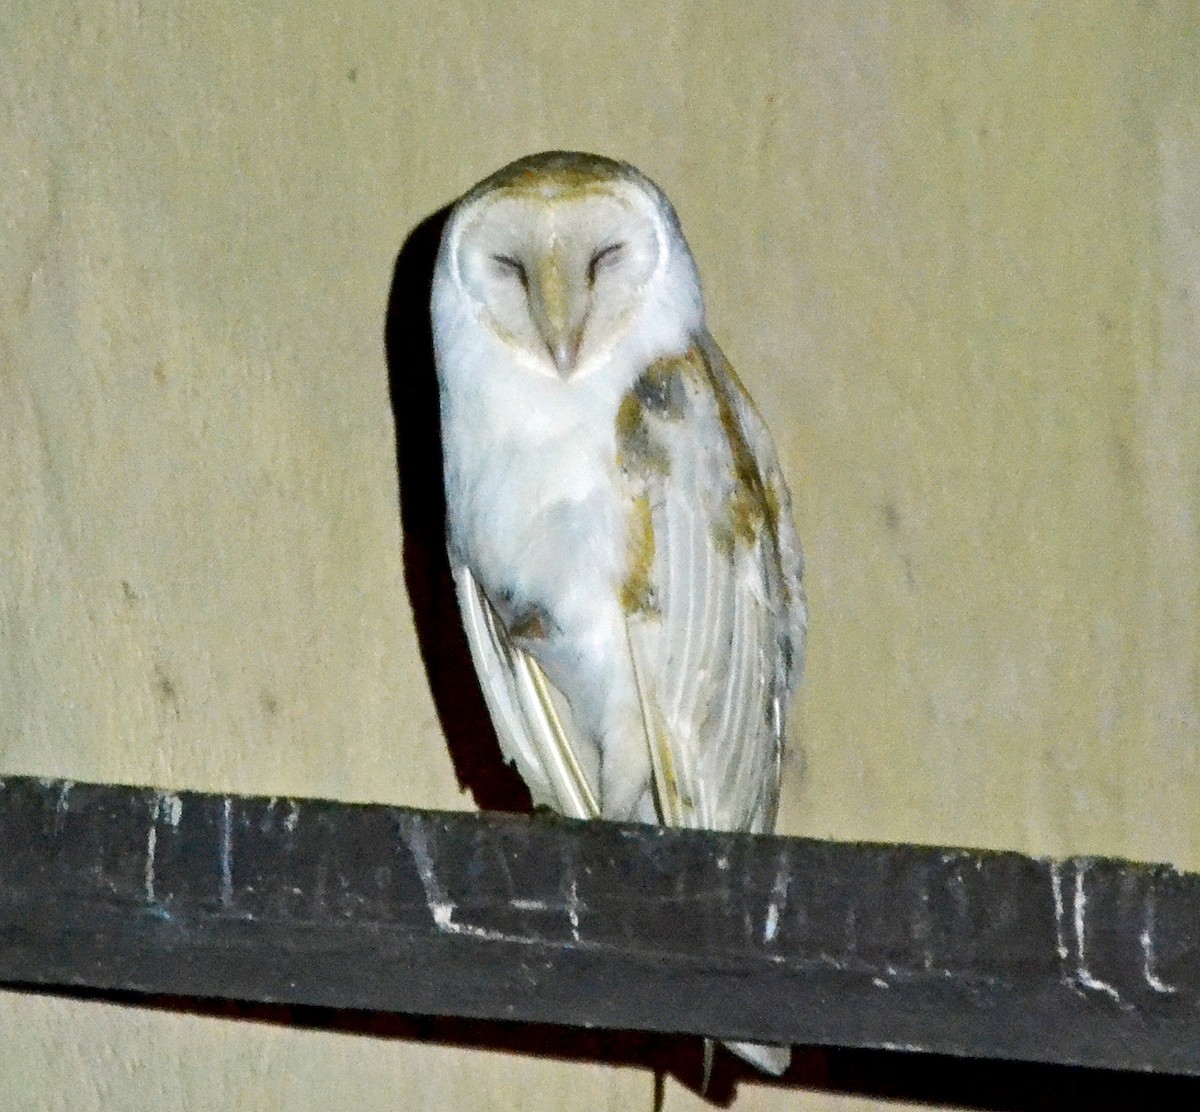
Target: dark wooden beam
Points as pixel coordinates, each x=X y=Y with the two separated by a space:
x=1087 y=961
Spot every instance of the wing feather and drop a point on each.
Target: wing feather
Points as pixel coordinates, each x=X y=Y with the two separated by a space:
x=714 y=656
x=531 y=732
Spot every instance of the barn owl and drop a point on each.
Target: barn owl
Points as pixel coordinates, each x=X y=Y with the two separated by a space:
x=619 y=528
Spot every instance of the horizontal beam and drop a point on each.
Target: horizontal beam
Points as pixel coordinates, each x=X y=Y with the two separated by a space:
x=1087 y=961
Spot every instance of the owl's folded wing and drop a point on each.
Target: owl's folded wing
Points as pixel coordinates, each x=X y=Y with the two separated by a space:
x=518 y=695
x=713 y=642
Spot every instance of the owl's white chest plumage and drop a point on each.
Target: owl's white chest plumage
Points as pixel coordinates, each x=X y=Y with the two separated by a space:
x=533 y=507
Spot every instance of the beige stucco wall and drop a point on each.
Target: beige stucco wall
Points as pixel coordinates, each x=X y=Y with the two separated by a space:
x=953 y=249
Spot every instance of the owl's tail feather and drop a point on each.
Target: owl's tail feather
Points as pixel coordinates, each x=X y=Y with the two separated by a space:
x=770 y=1059
x=708 y=1065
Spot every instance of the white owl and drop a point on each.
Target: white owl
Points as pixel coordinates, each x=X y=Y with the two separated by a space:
x=619 y=529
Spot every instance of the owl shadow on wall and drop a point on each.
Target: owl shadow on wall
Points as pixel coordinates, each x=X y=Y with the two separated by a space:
x=412 y=383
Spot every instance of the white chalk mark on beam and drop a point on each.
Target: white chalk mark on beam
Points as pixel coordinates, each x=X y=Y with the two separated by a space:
x=170 y=808
x=777 y=901
x=165 y=807
x=1060 y=915
x=438 y=900
x=227 y=852
x=1083 y=975
x=1149 y=958
x=573 y=910
x=151 y=845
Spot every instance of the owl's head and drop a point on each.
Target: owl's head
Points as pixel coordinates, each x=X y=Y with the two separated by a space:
x=561 y=255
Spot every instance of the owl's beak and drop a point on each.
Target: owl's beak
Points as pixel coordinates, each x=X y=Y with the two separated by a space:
x=559 y=306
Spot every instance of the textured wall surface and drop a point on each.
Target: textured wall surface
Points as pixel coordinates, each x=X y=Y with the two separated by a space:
x=953 y=249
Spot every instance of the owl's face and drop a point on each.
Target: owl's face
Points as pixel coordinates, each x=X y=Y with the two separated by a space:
x=559 y=263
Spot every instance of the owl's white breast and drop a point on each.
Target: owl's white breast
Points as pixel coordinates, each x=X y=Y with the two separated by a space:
x=533 y=502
